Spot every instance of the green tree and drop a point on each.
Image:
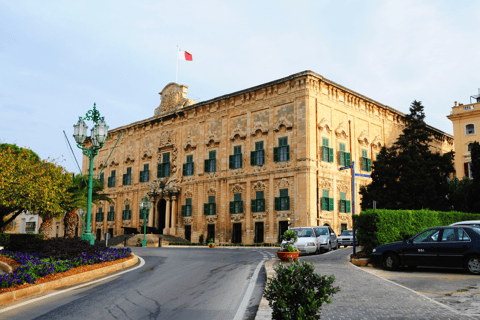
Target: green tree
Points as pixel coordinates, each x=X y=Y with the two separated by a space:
x=475 y=188
x=409 y=175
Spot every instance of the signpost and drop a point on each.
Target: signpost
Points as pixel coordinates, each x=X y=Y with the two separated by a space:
x=106 y=235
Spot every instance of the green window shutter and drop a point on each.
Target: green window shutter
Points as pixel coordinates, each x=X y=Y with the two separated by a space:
x=205 y=209
x=232 y=207
x=241 y=160
x=287 y=203
x=324 y=203
x=325 y=154
x=330 y=154
x=254 y=205
x=240 y=205
x=276 y=156
x=184 y=171
x=369 y=165
x=347 y=159
x=252 y=158
x=212 y=154
x=330 y=204
x=277 y=204
x=214 y=165
x=262 y=205
x=193 y=168
x=364 y=154
x=288 y=152
x=141 y=176
x=342 y=158
x=262 y=157
x=231 y=162
x=159 y=170
x=205 y=166
x=347 y=206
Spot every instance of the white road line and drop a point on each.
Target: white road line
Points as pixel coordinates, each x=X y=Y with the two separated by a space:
x=142 y=262
x=246 y=298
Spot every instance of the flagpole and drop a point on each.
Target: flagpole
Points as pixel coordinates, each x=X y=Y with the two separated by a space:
x=176 y=72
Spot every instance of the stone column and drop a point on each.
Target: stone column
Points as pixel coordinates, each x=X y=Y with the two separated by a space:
x=174 y=216
x=150 y=216
x=167 y=217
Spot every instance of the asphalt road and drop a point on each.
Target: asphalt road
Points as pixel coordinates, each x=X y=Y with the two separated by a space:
x=174 y=283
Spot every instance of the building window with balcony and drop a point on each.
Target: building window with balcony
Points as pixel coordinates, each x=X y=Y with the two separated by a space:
x=127 y=213
x=163 y=169
x=327 y=153
x=187 y=208
x=282 y=203
x=282 y=152
x=210 y=208
x=99 y=215
x=257 y=157
x=327 y=202
x=188 y=167
x=344 y=203
x=470 y=129
x=258 y=204
x=111 y=179
x=366 y=162
x=211 y=162
x=145 y=174
x=236 y=206
x=235 y=160
x=127 y=177
x=111 y=214
x=344 y=156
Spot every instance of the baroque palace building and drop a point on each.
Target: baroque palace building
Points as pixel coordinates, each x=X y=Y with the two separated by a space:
x=236 y=167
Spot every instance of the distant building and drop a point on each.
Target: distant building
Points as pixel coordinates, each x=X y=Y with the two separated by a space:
x=30 y=223
x=236 y=167
x=466 y=121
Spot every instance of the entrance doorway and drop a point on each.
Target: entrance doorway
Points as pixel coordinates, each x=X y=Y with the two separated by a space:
x=188 y=233
x=99 y=234
x=162 y=207
x=211 y=232
x=282 y=227
x=258 y=232
x=237 y=233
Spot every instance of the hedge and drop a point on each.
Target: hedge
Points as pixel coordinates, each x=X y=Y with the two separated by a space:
x=378 y=227
x=6 y=238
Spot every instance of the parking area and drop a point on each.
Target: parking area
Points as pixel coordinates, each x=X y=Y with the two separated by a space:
x=455 y=288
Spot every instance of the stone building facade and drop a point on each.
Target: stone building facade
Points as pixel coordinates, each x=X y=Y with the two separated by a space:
x=236 y=167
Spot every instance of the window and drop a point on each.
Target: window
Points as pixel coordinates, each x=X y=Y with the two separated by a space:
x=99 y=215
x=127 y=213
x=127 y=177
x=188 y=167
x=210 y=207
x=101 y=179
x=327 y=153
x=187 y=208
x=470 y=129
x=366 y=162
x=327 y=202
x=235 y=160
x=258 y=204
x=469 y=147
x=111 y=214
x=111 y=179
x=427 y=236
x=468 y=169
x=211 y=162
x=257 y=157
x=30 y=227
x=282 y=203
x=462 y=235
x=344 y=204
x=343 y=227
x=236 y=206
x=163 y=169
x=344 y=156
x=145 y=174
x=448 y=235
x=282 y=152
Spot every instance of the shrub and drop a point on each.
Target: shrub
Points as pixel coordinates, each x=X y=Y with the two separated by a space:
x=297 y=292
x=290 y=238
x=26 y=242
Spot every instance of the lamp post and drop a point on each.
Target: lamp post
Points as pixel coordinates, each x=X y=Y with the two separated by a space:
x=99 y=134
x=145 y=206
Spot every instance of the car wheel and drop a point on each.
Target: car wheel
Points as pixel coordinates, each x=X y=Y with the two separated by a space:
x=337 y=246
x=318 y=251
x=391 y=262
x=329 y=248
x=473 y=264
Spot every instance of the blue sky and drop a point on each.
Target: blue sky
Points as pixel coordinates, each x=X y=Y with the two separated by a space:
x=59 y=57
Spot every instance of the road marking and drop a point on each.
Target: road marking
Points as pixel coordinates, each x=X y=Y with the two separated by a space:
x=246 y=298
x=142 y=262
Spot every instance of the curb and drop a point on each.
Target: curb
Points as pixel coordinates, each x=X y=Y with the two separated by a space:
x=43 y=287
x=264 y=311
x=5 y=267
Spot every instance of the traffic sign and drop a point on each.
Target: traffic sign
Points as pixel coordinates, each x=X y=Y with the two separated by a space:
x=345 y=168
x=363 y=175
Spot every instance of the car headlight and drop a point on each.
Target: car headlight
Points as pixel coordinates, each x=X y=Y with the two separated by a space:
x=310 y=244
x=374 y=250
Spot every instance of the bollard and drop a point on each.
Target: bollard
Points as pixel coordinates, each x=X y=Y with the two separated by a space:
x=125 y=244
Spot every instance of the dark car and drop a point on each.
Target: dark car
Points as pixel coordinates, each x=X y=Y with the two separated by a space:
x=452 y=246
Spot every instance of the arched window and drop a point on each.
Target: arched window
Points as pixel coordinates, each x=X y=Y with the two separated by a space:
x=470 y=129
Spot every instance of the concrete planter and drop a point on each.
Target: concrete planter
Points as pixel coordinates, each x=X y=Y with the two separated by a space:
x=361 y=262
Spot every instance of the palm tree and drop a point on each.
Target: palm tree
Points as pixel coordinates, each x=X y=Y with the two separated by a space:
x=78 y=198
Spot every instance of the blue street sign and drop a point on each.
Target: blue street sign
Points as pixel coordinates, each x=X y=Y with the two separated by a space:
x=345 y=168
x=362 y=175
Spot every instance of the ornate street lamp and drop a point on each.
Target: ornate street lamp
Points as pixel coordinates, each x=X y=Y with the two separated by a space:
x=81 y=216
x=99 y=135
x=145 y=206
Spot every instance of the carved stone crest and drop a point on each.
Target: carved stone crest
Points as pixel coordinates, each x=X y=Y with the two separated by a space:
x=188 y=194
x=260 y=127
x=237 y=189
x=212 y=139
x=187 y=220
x=237 y=217
x=238 y=132
x=127 y=200
x=189 y=143
x=284 y=183
x=211 y=219
x=363 y=138
x=167 y=137
x=258 y=186
x=377 y=143
x=174 y=97
x=325 y=125
x=259 y=169
x=211 y=191
x=342 y=131
x=283 y=164
x=282 y=122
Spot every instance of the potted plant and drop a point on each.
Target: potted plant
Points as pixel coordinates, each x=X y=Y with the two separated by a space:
x=139 y=242
x=211 y=244
x=288 y=250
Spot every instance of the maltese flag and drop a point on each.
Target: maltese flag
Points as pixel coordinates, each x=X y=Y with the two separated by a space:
x=184 y=55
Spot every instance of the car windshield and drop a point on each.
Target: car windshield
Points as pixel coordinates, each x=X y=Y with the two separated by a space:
x=301 y=233
x=427 y=236
x=347 y=233
x=322 y=232
x=477 y=230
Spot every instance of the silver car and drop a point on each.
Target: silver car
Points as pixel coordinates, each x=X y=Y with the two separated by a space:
x=346 y=238
x=327 y=238
x=306 y=242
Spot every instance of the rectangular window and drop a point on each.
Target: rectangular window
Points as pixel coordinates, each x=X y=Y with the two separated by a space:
x=257 y=157
x=470 y=129
x=211 y=162
x=163 y=169
x=344 y=156
x=111 y=214
x=99 y=215
x=111 y=179
x=282 y=203
x=187 y=208
x=145 y=174
x=127 y=213
x=467 y=166
x=258 y=204
x=327 y=153
x=30 y=227
x=210 y=207
x=236 y=206
x=343 y=227
x=344 y=203
x=235 y=160
x=282 y=152
x=127 y=177
x=101 y=179
x=188 y=166
x=366 y=162
x=327 y=202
